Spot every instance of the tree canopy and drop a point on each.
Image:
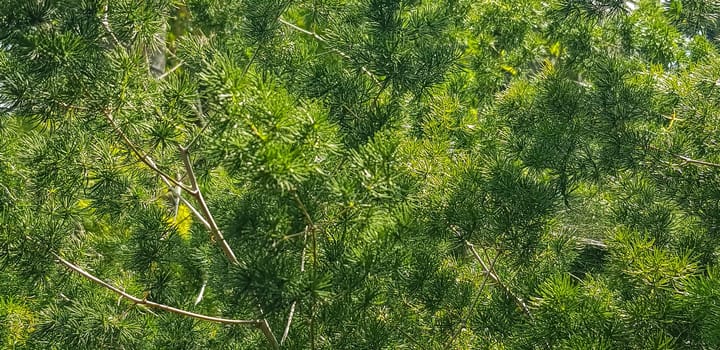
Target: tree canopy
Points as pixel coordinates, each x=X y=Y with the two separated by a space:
x=359 y=174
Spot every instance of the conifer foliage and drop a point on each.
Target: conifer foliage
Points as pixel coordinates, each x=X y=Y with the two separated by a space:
x=359 y=174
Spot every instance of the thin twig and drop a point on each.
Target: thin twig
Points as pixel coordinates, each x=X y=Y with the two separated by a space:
x=698 y=162
x=165 y=74
x=197 y=136
x=341 y=53
x=490 y=271
x=7 y=190
x=195 y=212
x=106 y=23
x=195 y=192
x=411 y=338
x=261 y=324
x=311 y=228
x=464 y=320
x=187 y=203
x=303 y=209
x=201 y=293
x=289 y=322
x=292 y=307
x=143 y=157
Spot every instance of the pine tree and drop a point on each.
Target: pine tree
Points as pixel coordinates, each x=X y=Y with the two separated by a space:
x=359 y=174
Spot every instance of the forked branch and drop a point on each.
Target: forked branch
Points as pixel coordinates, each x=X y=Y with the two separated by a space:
x=204 y=213
x=197 y=194
x=143 y=157
x=698 y=162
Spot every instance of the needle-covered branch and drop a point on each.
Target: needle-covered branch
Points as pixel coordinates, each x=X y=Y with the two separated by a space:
x=260 y=324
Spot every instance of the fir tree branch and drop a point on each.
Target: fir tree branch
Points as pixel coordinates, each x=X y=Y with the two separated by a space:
x=197 y=194
x=260 y=324
x=342 y=54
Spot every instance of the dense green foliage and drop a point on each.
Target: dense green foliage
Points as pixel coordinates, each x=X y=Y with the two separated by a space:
x=445 y=174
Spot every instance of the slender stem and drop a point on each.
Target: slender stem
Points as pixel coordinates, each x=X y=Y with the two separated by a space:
x=145 y=159
x=106 y=23
x=187 y=203
x=265 y=328
x=197 y=136
x=289 y=322
x=490 y=271
x=165 y=74
x=311 y=229
x=201 y=293
x=464 y=320
x=411 y=338
x=261 y=324
x=303 y=209
x=195 y=192
x=196 y=213
x=292 y=307
x=698 y=162
x=7 y=190
x=342 y=54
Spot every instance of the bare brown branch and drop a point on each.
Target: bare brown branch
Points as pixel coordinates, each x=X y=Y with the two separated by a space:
x=197 y=194
x=698 y=162
x=260 y=324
